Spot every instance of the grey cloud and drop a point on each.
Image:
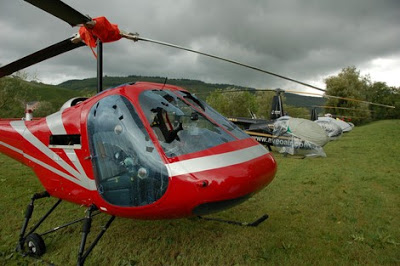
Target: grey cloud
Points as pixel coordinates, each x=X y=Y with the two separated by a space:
x=298 y=38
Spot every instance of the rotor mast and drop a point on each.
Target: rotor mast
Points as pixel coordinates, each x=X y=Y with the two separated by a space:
x=99 y=66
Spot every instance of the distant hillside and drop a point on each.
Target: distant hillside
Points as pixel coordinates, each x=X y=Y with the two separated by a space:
x=15 y=93
x=195 y=86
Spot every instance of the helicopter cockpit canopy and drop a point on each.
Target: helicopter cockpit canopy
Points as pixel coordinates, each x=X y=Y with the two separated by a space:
x=128 y=168
x=183 y=124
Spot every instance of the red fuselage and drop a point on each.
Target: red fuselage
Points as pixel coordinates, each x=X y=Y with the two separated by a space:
x=73 y=154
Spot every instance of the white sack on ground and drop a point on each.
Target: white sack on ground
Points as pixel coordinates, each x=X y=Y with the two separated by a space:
x=308 y=130
x=333 y=130
x=346 y=127
x=299 y=136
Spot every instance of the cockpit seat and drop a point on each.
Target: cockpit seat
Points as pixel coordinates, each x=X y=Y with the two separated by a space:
x=72 y=102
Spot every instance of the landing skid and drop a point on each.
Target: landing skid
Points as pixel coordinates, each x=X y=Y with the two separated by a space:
x=32 y=243
x=253 y=224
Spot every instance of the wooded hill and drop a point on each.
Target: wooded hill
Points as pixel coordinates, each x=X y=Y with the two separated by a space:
x=16 y=92
x=202 y=89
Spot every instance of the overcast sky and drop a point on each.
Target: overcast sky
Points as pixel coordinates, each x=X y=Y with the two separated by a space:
x=307 y=40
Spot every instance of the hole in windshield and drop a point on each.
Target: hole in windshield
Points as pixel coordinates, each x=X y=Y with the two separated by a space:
x=214 y=115
x=180 y=128
x=128 y=170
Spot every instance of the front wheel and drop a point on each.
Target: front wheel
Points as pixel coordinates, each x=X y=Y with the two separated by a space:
x=35 y=244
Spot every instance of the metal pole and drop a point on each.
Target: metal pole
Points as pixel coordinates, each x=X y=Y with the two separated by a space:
x=99 y=66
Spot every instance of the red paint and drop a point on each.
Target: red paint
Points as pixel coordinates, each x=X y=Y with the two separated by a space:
x=184 y=192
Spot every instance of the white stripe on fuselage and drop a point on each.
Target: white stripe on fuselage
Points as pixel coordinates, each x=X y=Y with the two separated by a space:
x=11 y=147
x=75 y=176
x=216 y=161
x=56 y=126
x=174 y=169
x=33 y=159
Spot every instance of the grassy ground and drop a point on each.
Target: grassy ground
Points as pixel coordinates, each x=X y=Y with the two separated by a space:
x=343 y=209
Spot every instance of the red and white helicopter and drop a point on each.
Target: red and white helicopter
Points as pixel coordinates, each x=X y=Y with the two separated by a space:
x=142 y=151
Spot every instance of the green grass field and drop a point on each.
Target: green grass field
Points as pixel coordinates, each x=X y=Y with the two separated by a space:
x=343 y=209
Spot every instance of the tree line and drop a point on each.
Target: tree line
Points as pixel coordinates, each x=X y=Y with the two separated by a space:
x=347 y=84
x=15 y=92
x=350 y=84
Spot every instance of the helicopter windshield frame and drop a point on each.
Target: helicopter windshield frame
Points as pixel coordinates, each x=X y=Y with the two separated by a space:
x=128 y=169
x=183 y=124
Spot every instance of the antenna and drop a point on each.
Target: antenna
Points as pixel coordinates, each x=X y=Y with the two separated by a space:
x=165 y=82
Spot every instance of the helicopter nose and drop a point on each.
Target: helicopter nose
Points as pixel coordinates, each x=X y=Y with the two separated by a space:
x=230 y=178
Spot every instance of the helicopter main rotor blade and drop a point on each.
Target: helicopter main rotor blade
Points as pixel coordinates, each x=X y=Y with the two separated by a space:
x=342 y=108
x=61 y=11
x=136 y=37
x=39 y=56
x=305 y=93
x=342 y=98
x=236 y=90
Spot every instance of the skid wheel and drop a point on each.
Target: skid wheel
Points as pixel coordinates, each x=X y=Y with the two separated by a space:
x=35 y=245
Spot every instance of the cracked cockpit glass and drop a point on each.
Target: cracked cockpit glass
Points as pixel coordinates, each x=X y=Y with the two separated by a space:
x=128 y=169
x=180 y=127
